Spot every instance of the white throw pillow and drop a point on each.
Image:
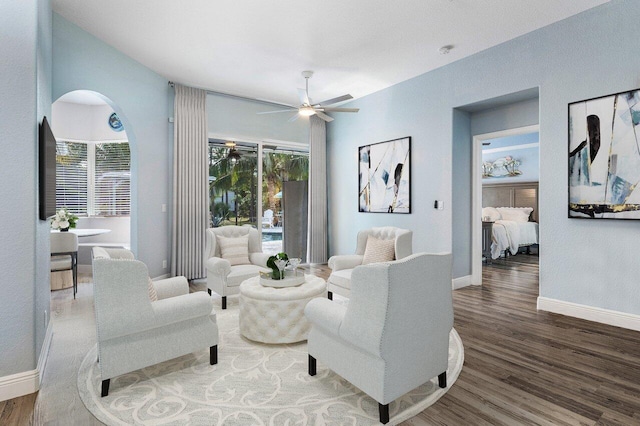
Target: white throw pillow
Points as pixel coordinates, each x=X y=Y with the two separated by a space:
x=492 y=213
x=234 y=249
x=378 y=250
x=516 y=214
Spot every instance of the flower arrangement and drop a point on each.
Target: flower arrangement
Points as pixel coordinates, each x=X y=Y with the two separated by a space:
x=63 y=220
x=511 y=165
x=277 y=263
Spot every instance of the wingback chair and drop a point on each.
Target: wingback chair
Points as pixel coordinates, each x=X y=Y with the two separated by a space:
x=64 y=255
x=224 y=278
x=342 y=265
x=134 y=331
x=394 y=334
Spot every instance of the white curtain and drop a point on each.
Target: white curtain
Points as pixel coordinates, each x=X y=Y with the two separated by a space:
x=190 y=182
x=317 y=191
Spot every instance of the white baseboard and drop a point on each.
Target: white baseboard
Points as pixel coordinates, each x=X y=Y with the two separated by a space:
x=461 y=282
x=27 y=382
x=161 y=277
x=590 y=313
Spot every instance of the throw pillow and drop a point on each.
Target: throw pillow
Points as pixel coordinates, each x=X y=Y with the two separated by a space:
x=492 y=213
x=153 y=296
x=234 y=249
x=516 y=214
x=378 y=250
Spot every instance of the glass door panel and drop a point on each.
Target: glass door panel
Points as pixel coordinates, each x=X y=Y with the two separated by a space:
x=233 y=183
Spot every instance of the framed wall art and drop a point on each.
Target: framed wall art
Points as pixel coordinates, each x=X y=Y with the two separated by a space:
x=604 y=157
x=384 y=182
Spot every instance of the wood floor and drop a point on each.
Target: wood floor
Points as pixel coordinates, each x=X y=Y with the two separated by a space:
x=522 y=366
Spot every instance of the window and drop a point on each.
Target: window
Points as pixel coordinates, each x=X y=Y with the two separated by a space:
x=94 y=179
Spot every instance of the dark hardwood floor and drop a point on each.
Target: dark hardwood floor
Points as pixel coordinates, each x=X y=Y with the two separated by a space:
x=522 y=366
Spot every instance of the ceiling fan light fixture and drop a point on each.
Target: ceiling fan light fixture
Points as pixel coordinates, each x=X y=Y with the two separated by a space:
x=306 y=111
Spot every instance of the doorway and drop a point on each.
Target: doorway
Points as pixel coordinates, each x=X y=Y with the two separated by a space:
x=505 y=194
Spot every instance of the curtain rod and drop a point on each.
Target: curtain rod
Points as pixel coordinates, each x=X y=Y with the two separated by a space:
x=244 y=98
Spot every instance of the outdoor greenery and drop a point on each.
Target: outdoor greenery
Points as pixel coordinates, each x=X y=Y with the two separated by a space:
x=240 y=178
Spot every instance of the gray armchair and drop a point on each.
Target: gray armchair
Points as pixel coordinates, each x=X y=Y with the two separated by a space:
x=394 y=334
x=64 y=255
x=133 y=331
x=342 y=265
x=223 y=278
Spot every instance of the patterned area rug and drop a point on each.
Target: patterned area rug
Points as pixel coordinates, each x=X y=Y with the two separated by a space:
x=252 y=384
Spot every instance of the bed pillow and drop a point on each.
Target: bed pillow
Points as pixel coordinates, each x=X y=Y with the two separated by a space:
x=492 y=213
x=378 y=250
x=234 y=249
x=516 y=214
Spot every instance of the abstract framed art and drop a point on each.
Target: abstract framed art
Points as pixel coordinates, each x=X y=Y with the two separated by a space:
x=384 y=177
x=604 y=157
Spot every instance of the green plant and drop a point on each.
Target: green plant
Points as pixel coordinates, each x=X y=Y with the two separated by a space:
x=271 y=263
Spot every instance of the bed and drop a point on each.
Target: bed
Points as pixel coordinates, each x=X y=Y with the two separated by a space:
x=513 y=207
x=512 y=229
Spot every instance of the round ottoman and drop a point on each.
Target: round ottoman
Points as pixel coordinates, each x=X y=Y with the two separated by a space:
x=276 y=315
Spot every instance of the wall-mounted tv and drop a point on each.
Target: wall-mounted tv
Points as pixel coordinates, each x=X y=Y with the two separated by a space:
x=47 y=168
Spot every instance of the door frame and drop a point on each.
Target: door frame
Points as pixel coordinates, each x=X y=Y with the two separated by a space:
x=476 y=191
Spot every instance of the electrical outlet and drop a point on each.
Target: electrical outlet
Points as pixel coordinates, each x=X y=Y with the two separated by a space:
x=164 y=264
x=46 y=318
x=164 y=208
x=439 y=205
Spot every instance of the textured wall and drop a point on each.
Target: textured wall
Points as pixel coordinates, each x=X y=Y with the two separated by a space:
x=588 y=55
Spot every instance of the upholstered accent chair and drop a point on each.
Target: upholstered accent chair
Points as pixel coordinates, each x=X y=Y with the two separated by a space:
x=64 y=255
x=342 y=265
x=394 y=334
x=223 y=277
x=133 y=331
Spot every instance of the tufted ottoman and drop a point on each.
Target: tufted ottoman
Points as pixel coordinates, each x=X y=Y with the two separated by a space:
x=276 y=315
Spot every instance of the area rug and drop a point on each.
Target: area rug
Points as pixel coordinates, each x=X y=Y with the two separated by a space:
x=252 y=384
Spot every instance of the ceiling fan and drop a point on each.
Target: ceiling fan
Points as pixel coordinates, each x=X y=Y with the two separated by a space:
x=307 y=108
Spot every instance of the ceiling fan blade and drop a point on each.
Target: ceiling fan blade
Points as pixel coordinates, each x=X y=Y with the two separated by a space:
x=324 y=116
x=329 y=109
x=336 y=100
x=304 y=99
x=294 y=118
x=278 y=111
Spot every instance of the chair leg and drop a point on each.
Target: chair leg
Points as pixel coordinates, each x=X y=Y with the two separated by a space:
x=74 y=260
x=384 y=413
x=330 y=295
x=312 y=366
x=442 y=380
x=209 y=290
x=224 y=302
x=213 y=355
x=105 y=387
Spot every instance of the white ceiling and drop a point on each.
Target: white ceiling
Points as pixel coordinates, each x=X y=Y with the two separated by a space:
x=257 y=48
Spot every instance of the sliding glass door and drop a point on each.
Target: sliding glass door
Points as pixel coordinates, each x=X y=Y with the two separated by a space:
x=263 y=195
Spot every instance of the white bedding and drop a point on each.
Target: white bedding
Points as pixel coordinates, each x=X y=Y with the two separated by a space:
x=510 y=235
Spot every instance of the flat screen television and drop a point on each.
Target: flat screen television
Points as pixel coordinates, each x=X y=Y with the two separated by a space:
x=47 y=171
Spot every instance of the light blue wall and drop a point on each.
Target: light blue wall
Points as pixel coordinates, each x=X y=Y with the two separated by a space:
x=508 y=116
x=462 y=159
x=144 y=102
x=588 y=55
x=24 y=241
x=238 y=118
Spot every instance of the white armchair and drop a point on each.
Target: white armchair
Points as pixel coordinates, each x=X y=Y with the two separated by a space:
x=394 y=334
x=342 y=265
x=222 y=277
x=133 y=331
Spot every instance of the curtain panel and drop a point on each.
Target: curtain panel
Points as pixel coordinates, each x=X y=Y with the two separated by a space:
x=190 y=182
x=317 y=190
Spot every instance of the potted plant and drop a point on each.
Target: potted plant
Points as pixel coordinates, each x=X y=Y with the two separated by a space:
x=273 y=262
x=63 y=220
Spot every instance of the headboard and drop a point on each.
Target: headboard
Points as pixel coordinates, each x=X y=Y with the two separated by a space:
x=511 y=195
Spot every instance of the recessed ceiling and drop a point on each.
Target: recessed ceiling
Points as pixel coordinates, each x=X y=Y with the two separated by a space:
x=258 y=48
